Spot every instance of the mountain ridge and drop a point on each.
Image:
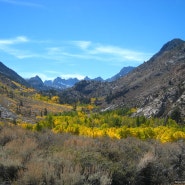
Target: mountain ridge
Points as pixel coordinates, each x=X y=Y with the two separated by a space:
x=11 y=74
x=124 y=71
x=158 y=85
x=156 y=88
x=60 y=84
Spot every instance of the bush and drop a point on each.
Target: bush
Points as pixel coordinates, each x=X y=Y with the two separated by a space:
x=63 y=159
x=8 y=173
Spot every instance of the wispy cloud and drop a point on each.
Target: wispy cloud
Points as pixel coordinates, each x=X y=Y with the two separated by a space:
x=67 y=56
x=10 y=46
x=82 y=44
x=94 y=51
x=20 y=54
x=22 y=3
x=64 y=51
x=118 y=52
x=17 y=40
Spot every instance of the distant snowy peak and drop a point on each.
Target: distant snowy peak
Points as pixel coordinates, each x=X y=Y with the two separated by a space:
x=60 y=83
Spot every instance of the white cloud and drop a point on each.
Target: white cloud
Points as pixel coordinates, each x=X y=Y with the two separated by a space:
x=107 y=53
x=82 y=44
x=67 y=76
x=66 y=54
x=20 y=54
x=53 y=50
x=119 y=53
x=52 y=72
x=93 y=51
x=10 y=46
x=70 y=51
x=16 y=40
x=22 y=3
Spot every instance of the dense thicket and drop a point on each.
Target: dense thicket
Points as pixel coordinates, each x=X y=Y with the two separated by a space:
x=114 y=124
x=37 y=158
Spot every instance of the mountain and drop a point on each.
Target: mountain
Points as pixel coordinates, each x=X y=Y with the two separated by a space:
x=98 y=79
x=48 y=83
x=124 y=71
x=12 y=75
x=59 y=83
x=155 y=88
x=36 y=83
x=19 y=102
x=87 y=78
x=84 y=90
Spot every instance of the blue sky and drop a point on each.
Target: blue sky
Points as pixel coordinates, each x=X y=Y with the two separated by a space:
x=78 y=38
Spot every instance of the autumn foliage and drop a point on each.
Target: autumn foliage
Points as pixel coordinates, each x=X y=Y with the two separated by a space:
x=28 y=157
x=114 y=124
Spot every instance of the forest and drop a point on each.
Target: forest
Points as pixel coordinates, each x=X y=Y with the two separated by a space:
x=115 y=124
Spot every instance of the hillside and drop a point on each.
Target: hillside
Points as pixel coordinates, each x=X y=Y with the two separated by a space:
x=20 y=103
x=9 y=73
x=101 y=137
x=157 y=87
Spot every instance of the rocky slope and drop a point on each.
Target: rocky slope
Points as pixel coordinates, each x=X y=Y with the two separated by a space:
x=36 y=83
x=9 y=73
x=155 y=88
x=20 y=103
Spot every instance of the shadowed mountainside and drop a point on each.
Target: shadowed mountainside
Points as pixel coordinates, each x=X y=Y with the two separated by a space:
x=9 y=73
x=156 y=87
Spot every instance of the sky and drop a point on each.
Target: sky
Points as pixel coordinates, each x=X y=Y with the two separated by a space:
x=78 y=38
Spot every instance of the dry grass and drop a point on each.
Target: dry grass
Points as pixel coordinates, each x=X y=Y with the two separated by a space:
x=45 y=158
x=21 y=101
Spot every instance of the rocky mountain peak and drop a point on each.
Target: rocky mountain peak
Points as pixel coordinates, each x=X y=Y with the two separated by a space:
x=175 y=43
x=36 y=82
x=172 y=46
x=123 y=72
x=12 y=75
x=36 y=79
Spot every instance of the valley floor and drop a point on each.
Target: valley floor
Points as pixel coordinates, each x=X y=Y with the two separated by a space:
x=36 y=158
